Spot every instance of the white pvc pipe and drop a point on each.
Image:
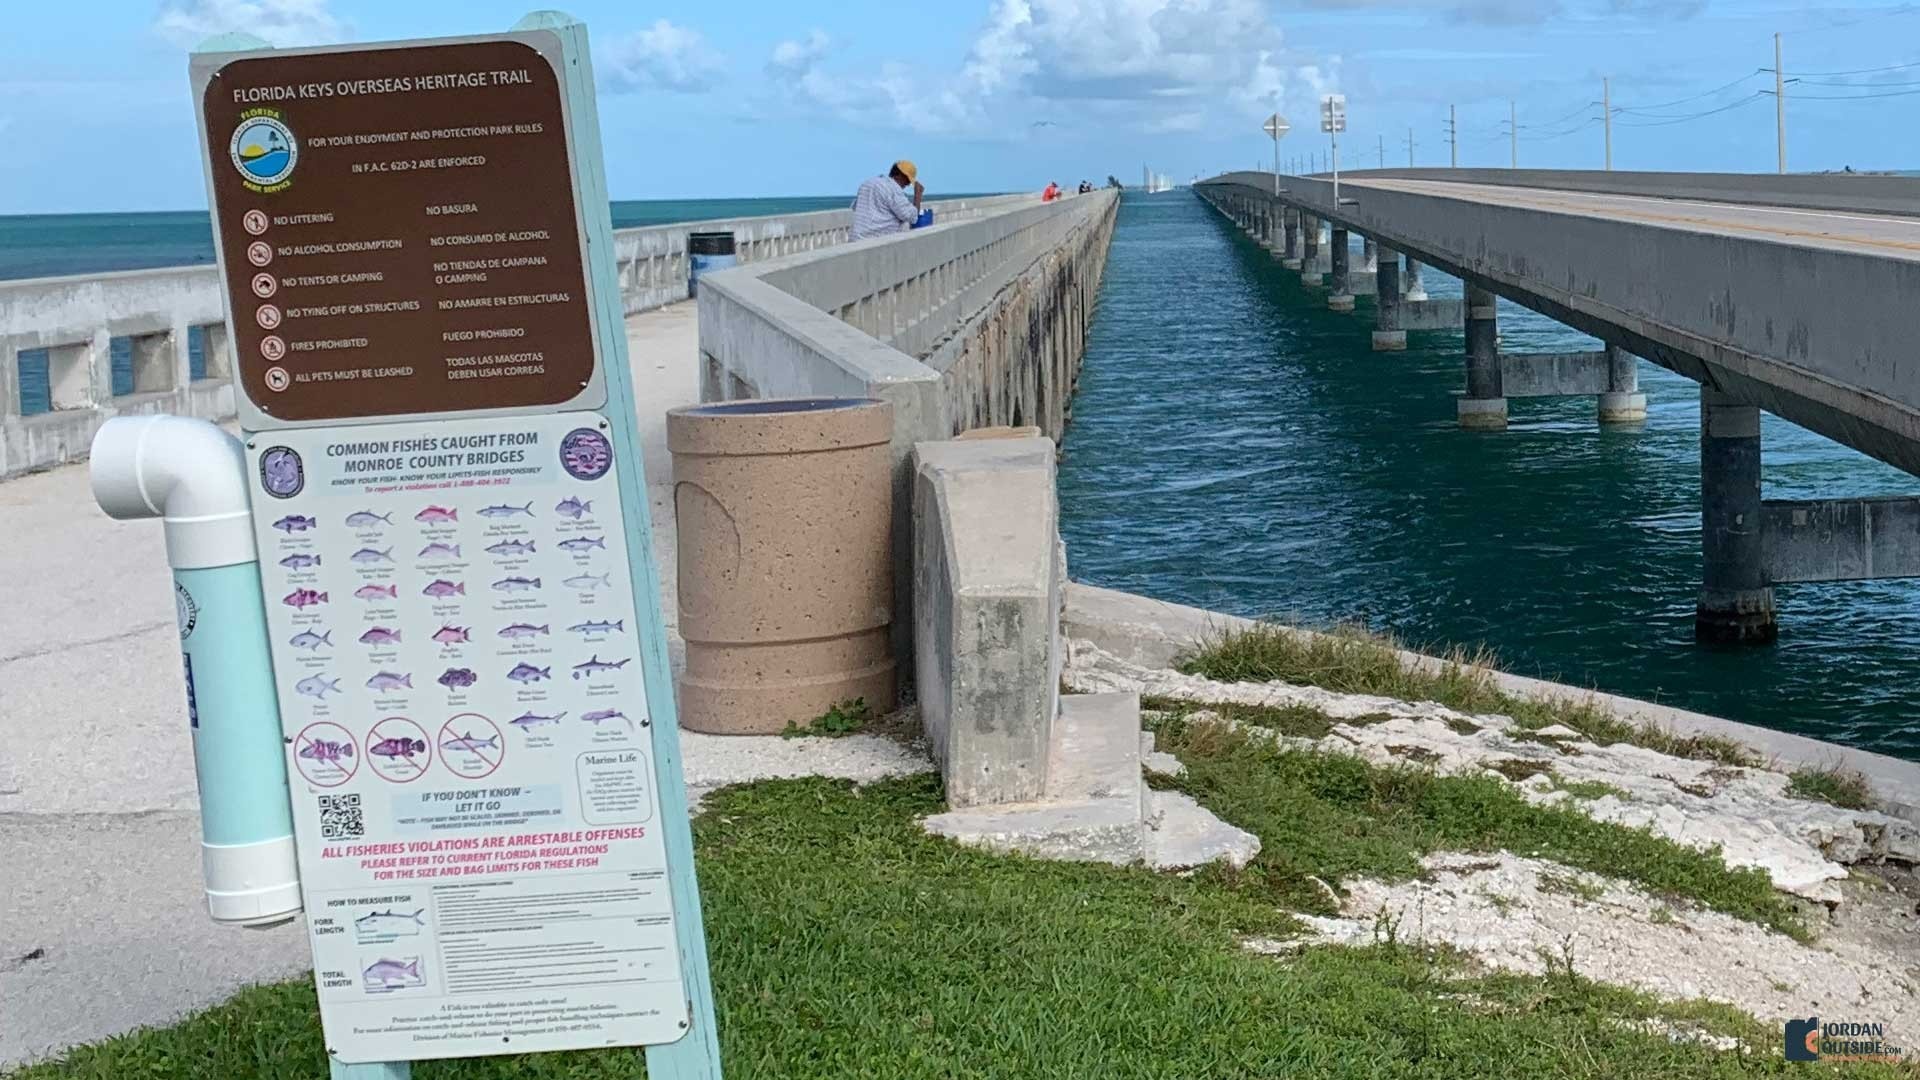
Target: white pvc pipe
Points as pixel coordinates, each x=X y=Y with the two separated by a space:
x=187 y=472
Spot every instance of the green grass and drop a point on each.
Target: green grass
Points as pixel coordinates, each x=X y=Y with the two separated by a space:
x=1841 y=787
x=1296 y=720
x=844 y=718
x=847 y=943
x=1336 y=817
x=1353 y=661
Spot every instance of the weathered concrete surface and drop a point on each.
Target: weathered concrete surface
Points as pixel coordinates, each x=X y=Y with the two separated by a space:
x=987 y=612
x=1156 y=633
x=1840 y=539
x=1527 y=375
x=1446 y=313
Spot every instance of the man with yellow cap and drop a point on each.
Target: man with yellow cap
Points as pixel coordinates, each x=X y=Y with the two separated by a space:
x=881 y=205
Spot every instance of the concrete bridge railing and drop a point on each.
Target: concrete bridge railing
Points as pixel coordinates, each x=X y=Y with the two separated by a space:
x=75 y=325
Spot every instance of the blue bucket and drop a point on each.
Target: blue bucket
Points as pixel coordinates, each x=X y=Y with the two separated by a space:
x=925 y=219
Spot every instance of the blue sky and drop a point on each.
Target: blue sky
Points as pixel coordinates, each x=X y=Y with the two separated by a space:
x=778 y=97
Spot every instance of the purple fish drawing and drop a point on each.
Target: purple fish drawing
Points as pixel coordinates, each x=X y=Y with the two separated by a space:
x=397 y=747
x=438 y=550
x=392 y=974
x=294 y=523
x=527 y=673
x=437 y=515
x=529 y=721
x=522 y=630
x=595 y=666
x=300 y=561
x=443 y=588
x=307 y=639
x=450 y=635
x=387 y=680
x=571 y=507
x=367 y=519
x=369 y=555
x=303 y=598
x=584 y=543
x=374 y=592
x=599 y=716
x=456 y=677
x=516 y=584
x=380 y=635
x=327 y=751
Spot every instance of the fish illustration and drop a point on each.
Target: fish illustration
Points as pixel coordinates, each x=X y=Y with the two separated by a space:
x=455 y=677
x=380 y=635
x=529 y=721
x=303 y=598
x=571 y=507
x=307 y=639
x=521 y=630
x=512 y=547
x=366 y=519
x=294 y=523
x=584 y=543
x=300 y=561
x=468 y=742
x=595 y=666
x=398 y=746
x=599 y=716
x=326 y=750
x=589 y=581
x=390 y=922
x=437 y=515
x=504 y=511
x=375 y=592
x=369 y=555
x=438 y=550
x=443 y=588
x=618 y=626
x=387 y=680
x=516 y=584
x=527 y=673
x=316 y=686
x=450 y=635
x=392 y=974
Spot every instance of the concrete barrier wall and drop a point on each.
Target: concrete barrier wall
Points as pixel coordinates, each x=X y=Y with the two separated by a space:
x=77 y=318
x=1812 y=191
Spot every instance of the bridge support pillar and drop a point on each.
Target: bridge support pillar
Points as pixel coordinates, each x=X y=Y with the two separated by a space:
x=1414 y=290
x=1484 y=406
x=1310 y=251
x=1290 y=255
x=1736 y=600
x=1341 y=297
x=1387 y=337
x=1623 y=403
x=1369 y=256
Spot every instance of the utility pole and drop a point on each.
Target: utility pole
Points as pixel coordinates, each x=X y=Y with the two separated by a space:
x=1606 y=110
x=1383 y=151
x=1453 y=138
x=1780 y=102
x=1513 y=132
x=1409 y=148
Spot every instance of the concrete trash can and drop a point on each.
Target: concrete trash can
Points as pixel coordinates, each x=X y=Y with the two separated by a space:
x=783 y=514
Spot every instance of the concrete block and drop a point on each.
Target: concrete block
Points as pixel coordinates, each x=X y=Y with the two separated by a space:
x=1630 y=408
x=1090 y=830
x=1527 y=375
x=1840 y=539
x=1158 y=762
x=1483 y=414
x=1389 y=340
x=1442 y=314
x=1181 y=834
x=987 y=608
x=1340 y=302
x=1096 y=748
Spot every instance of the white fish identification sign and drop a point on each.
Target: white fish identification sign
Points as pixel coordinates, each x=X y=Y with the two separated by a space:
x=456 y=653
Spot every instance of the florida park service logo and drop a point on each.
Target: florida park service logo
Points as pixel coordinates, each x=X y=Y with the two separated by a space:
x=264 y=150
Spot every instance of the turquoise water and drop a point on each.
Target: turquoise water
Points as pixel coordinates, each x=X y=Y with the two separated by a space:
x=1236 y=446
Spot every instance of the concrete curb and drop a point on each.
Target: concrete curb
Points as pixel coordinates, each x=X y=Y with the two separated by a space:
x=1154 y=633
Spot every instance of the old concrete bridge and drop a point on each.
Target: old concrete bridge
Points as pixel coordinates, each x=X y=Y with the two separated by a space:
x=1779 y=293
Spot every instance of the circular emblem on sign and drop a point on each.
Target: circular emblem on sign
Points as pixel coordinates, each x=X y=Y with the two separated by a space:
x=254 y=221
x=263 y=149
x=273 y=347
x=278 y=379
x=267 y=316
x=264 y=285
x=281 y=472
x=185 y=610
x=259 y=253
x=586 y=454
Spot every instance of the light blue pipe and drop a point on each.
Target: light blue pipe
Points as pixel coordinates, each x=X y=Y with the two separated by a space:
x=193 y=476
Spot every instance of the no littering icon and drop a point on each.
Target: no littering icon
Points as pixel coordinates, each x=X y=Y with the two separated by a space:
x=254 y=221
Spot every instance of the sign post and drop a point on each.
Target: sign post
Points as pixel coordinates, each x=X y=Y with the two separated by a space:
x=1277 y=127
x=447 y=489
x=1333 y=121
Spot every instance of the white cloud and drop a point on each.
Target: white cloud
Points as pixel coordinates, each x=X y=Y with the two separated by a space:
x=285 y=23
x=661 y=57
x=1143 y=64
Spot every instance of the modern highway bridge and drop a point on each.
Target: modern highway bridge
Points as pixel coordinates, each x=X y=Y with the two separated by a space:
x=1792 y=294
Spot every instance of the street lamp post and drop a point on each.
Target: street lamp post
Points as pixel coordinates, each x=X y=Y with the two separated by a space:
x=1276 y=126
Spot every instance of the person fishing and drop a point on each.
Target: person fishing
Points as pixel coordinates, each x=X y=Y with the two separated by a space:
x=881 y=205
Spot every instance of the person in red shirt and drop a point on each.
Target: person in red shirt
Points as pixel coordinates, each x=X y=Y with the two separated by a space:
x=1052 y=192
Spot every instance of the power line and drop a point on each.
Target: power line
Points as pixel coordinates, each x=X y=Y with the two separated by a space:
x=1850 y=97
x=1855 y=71
x=1755 y=96
x=1685 y=100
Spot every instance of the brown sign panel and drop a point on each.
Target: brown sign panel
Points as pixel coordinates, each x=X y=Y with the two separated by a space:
x=398 y=230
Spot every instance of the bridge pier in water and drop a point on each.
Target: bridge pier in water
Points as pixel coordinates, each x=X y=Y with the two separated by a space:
x=1736 y=601
x=1484 y=406
x=1290 y=259
x=1387 y=337
x=1340 y=296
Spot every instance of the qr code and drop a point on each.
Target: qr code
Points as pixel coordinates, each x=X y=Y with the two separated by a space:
x=340 y=818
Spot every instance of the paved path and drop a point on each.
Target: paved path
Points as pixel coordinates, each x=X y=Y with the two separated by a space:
x=99 y=838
